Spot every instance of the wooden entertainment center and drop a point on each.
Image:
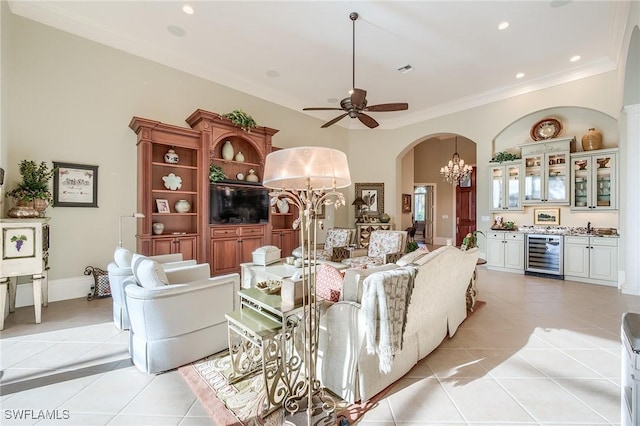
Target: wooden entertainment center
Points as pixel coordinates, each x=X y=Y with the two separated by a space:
x=225 y=246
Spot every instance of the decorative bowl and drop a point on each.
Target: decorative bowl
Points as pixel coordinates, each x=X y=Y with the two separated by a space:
x=269 y=286
x=172 y=182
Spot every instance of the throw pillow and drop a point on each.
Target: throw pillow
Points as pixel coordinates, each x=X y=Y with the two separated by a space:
x=329 y=282
x=136 y=260
x=412 y=257
x=151 y=274
x=122 y=257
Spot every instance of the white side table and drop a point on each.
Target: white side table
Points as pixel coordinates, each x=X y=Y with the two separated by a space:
x=24 y=252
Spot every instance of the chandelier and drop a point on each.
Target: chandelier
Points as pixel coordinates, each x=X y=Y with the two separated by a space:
x=456 y=171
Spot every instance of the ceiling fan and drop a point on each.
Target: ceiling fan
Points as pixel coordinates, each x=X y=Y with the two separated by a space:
x=355 y=105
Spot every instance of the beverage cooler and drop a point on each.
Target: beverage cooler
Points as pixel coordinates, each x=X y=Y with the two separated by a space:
x=544 y=255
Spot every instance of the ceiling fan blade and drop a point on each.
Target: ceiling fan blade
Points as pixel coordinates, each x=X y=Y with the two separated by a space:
x=367 y=121
x=358 y=98
x=387 y=107
x=321 y=109
x=335 y=120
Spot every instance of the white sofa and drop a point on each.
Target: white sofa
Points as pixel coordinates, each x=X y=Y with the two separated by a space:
x=437 y=307
x=175 y=324
x=120 y=269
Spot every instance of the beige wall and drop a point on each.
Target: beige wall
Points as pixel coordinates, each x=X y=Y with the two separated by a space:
x=72 y=99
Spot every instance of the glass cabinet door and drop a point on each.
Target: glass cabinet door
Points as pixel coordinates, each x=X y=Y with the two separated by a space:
x=604 y=183
x=581 y=172
x=497 y=188
x=533 y=178
x=557 y=179
x=513 y=186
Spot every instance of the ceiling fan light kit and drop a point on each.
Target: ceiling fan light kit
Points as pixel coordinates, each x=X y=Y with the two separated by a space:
x=355 y=105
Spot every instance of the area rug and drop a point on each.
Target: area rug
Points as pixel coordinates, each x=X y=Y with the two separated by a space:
x=240 y=404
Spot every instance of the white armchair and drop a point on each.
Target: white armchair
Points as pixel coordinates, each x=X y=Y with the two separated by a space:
x=120 y=269
x=174 y=324
x=384 y=247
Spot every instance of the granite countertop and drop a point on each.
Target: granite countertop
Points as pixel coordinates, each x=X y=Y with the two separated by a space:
x=566 y=230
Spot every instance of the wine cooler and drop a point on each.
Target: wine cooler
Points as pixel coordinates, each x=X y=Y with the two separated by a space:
x=544 y=255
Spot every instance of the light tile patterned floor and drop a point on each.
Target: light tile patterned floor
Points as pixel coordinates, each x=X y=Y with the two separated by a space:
x=541 y=352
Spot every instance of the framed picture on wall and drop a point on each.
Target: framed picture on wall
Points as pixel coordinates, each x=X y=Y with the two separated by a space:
x=75 y=185
x=373 y=196
x=546 y=216
x=406 y=203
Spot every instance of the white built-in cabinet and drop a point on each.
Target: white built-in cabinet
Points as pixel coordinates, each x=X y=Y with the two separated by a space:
x=506 y=186
x=505 y=251
x=594 y=180
x=546 y=171
x=591 y=259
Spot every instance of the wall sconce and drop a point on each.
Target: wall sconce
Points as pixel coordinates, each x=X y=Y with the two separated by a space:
x=136 y=215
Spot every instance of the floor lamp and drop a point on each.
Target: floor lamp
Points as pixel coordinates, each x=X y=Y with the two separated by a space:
x=136 y=215
x=308 y=177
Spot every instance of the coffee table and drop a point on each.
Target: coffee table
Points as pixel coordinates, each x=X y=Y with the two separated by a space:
x=250 y=274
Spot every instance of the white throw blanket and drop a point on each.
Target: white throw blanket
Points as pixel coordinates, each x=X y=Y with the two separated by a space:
x=385 y=297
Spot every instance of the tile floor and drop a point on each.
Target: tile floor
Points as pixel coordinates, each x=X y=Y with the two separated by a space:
x=540 y=352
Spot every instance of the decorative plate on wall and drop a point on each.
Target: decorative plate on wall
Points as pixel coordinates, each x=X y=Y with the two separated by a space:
x=547 y=128
x=172 y=181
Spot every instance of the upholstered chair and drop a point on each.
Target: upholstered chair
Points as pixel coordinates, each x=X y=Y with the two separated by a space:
x=120 y=269
x=336 y=238
x=175 y=324
x=384 y=247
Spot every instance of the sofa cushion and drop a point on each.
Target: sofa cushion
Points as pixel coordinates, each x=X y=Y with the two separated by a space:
x=122 y=257
x=329 y=282
x=413 y=256
x=150 y=274
x=353 y=279
x=337 y=237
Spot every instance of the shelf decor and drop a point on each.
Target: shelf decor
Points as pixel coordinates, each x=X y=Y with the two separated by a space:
x=241 y=119
x=75 y=185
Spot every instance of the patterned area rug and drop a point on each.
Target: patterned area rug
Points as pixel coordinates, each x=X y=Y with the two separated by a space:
x=240 y=403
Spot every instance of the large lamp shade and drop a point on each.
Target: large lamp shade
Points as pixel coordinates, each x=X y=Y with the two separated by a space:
x=306 y=167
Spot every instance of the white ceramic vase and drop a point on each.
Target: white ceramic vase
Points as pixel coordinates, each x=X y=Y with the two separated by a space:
x=171 y=157
x=252 y=177
x=283 y=205
x=239 y=157
x=183 y=206
x=157 y=227
x=227 y=151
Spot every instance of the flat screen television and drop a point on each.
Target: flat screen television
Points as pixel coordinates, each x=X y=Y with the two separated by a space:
x=238 y=204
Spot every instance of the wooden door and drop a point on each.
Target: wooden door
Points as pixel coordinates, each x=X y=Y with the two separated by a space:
x=224 y=256
x=466 y=208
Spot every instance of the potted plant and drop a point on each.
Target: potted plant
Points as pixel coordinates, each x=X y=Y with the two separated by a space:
x=241 y=119
x=216 y=174
x=33 y=193
x=471 y=240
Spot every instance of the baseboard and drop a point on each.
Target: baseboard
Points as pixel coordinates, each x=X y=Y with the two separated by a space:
x=62 y=289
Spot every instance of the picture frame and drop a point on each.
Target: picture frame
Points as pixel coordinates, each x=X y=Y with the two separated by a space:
x=18 y=243
x=75 y=185
x=163 y=205
x=373 y=196
x=546 y=216
x=406 y=203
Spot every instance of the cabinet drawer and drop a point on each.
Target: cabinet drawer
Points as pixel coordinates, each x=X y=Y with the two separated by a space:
x=251 y=230
x=513 y=236
x=495 y=235
x=217 y=232
x=576 y=240
x=601 y=241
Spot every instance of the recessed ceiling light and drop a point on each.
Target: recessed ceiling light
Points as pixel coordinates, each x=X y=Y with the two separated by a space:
x=520 y=75
x=273 y=73
x=332 y=100
x=575 y=58
x=187 y=9
x=176 y=31
x=503 y=25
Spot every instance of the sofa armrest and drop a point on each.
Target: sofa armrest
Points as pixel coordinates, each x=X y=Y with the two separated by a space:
x=188 y=273
x=166 y=258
